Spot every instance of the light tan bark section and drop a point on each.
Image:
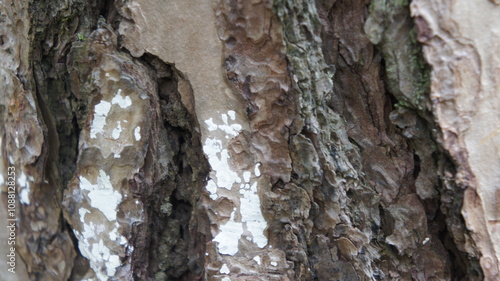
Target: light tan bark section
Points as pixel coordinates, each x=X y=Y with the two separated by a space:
x=184 y=33
x=462 y=43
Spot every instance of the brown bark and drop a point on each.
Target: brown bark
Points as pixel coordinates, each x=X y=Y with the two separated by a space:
x=249 y=140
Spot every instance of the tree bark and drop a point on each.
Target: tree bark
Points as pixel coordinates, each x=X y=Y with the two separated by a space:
x=251 y=140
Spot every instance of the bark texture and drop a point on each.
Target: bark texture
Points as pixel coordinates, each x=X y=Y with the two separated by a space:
x=252 y=140
x=462 y=53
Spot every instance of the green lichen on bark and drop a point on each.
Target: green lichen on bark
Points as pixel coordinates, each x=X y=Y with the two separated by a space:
x=391 y=28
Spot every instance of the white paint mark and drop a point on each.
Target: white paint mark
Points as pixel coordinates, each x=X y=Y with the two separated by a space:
x=123 y=102
x=230 y=130
x=123 y=240
x=101 y=111
x=22 y=180
x=246 y=176
x=252 y=215
x=112 y=235
x=16 y=139
x=211 y=125
x=426 y=240
x=102 y=196
x=101 y=253
x=111 y=265
x=229 y=236
x=225 y=176
x=257 y=259
x=95 y=250
x=116 y=155
x=257 y=170
x=273 y=263
x=117 y=131
x=244 y=186
x=137 y=133
x=224 y=269
x=212 y=188
x=82 y=213
x=24 y=196
x=226 y=279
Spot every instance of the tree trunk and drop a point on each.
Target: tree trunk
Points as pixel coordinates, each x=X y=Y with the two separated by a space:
x=251 y=140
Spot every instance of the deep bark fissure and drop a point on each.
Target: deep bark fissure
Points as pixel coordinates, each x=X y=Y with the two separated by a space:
x=56 y=86
x=418 y=105
x=173 y=206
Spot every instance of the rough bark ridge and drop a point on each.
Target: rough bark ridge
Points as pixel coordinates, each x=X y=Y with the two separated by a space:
x=379 y=204
x=131 y=171
x=37 y=142
x=248 y=140
x=463 y=53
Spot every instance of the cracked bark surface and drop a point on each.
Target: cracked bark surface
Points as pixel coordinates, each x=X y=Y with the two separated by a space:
x=251 y=140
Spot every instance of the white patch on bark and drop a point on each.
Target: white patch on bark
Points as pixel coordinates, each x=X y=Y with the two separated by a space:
x=82 y=213
x=230 y=130
x=117 y=131
x=137 y=133
x=102 y=253
x=212 y=188
x=16 y=139
x=246 y=176
x=96 y=252
x=252 y=216
x=224 y=175
x=224 y=269
x=101 y=111
x=211 y=125
x=22 y=179
x=257 y=170
x=24 y=196
x=229 y=236
x=123 y=102
x=257 y=259
x=123 y=240
x=102 y=195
